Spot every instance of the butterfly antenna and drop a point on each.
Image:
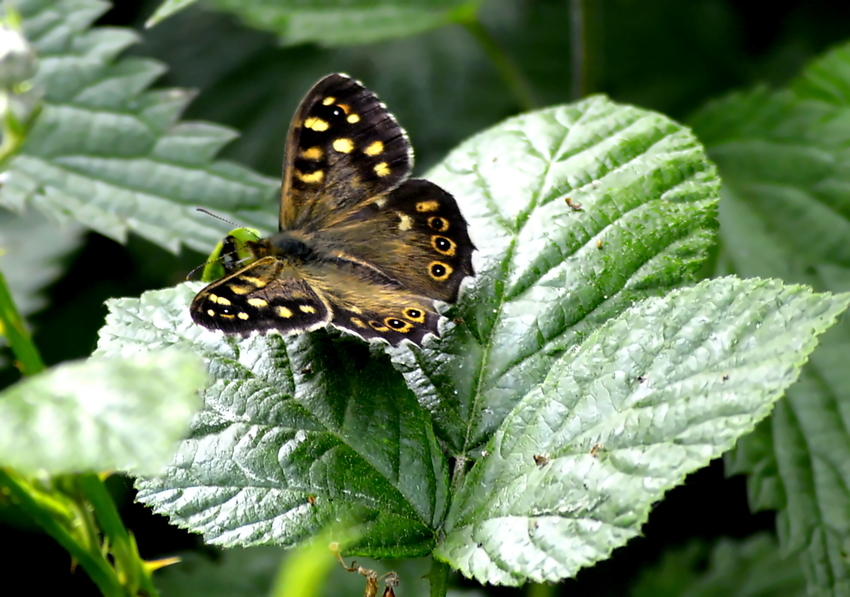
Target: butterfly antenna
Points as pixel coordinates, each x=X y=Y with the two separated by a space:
x=194 y=269
x=216 y=216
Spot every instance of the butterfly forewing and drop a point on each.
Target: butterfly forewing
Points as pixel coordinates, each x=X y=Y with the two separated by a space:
x=344 y=149
x=267 y=295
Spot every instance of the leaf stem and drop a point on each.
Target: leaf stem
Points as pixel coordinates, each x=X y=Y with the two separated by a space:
x=13 y=328
x=128 y=563
x=540 y=590
x=82 y=549
x=581 y=38
x=438 y=578
x=504 y=64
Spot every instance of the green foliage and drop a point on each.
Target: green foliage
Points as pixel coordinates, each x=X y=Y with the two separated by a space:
x=583 y=373
x=121 y=414
x=785 y=213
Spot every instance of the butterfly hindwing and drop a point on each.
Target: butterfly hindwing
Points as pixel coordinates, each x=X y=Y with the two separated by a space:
x=266 y=295
x=343 y=150
x=416 y=236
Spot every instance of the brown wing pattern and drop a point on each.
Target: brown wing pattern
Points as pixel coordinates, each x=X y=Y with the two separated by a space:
x=344 y=150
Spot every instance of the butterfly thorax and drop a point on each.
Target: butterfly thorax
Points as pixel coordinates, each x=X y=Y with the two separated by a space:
x=290 y=245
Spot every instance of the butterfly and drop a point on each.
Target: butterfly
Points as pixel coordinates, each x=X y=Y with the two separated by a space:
x=360 y=245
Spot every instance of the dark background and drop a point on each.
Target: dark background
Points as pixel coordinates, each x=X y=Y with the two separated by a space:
x=665 y=55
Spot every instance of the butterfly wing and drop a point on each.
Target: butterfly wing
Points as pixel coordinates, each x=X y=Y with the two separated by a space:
x=416 y=238
x=343 y=150
x=267 y=295
x=361 y=305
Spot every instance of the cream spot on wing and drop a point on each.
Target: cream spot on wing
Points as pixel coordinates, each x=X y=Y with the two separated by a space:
x=313 y=153
x=316 y=124
x=343 y=145
x=313 y=177
x=328 y=101
x=257 y=282
x=220 y=300
x=257 y=302
x=353 y=118
x=237 y=289
x=210 y=312
x=307 y=309
x=405 y=222
x=374 y=148
x=284 y=312
x=382 y=169
x=243 y=316
x=358 y=322
x=423 y=206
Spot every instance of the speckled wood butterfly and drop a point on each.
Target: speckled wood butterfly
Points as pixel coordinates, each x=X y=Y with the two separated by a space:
x=360 y=245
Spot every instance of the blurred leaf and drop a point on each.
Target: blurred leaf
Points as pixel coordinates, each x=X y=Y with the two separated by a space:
x=243 y=572
x=653 y=395
x=99 y=415
x=748 y=568
x=287 y=421
x=32 y=248
x=785 y=213
x=111 y=155
x=344 y=22
x=439 y=85
x=166 y=9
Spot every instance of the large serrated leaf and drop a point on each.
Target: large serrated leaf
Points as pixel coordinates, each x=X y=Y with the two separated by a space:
x=651 y=396
x=785 y=213
x=639 y=220
x=642 y=218
x=294 y=434
x=100 y=415
x=108 y=153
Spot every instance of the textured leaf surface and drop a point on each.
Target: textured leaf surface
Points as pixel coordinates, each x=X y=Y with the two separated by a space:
x=642 y=200
x=642 y=217
x=287 y=423
x=785 y=213
x=108 y=153
x=651 y=396
x=101 y=414
x=343 y=22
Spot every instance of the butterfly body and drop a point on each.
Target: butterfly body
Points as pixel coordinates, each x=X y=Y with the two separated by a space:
x=360 y=245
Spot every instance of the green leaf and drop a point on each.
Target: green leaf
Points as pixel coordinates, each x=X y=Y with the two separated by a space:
x=735 y=569
x=111 y=155
x=30 y=251
x=101 y=414
x=653 y=395
x=439 y=85
x=549 y=274
x=345 y=22
x=287 y=422
x=544 y=284
x=166 y=9
x=785 y=213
